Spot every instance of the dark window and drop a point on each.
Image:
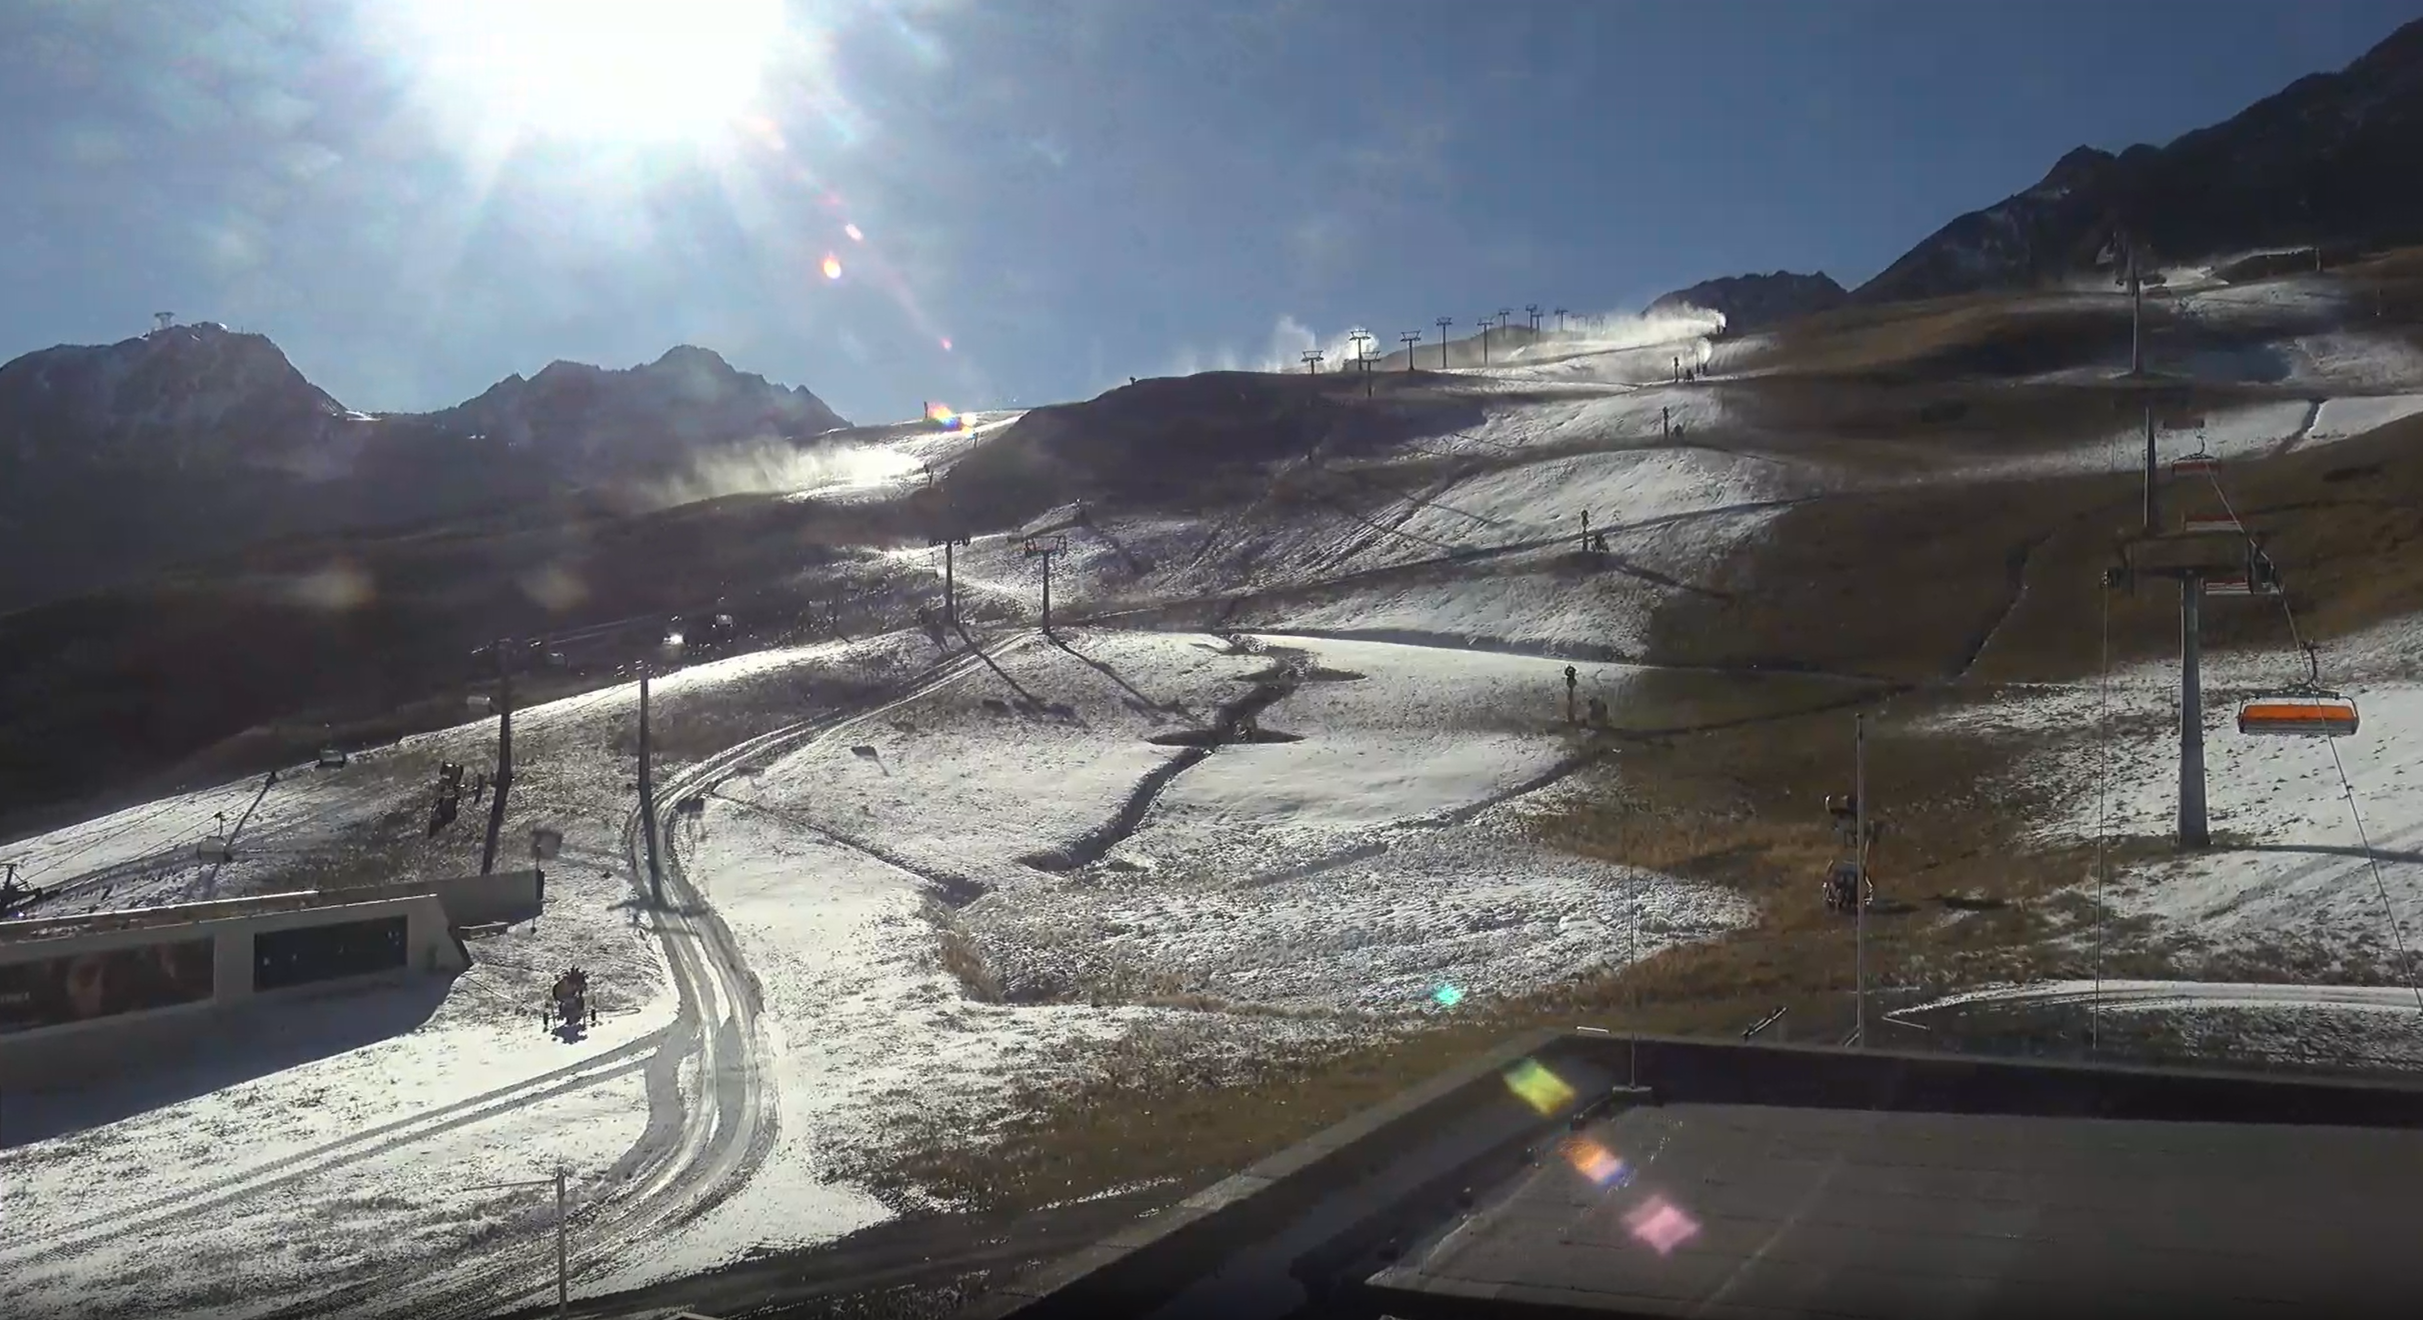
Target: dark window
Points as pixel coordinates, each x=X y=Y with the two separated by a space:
x=50 y=991
x=304 y=954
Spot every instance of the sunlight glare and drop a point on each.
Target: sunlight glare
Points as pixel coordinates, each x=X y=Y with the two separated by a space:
x=616 y=71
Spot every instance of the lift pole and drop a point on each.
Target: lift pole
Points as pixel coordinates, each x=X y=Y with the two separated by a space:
x=1047 y=593
x=1859 y=892
x=1443 y=323
x=2193 y=832
x=2136 y=313
x=647 y=796
x=2153 y=503
x=504 y=754
x=950 y=589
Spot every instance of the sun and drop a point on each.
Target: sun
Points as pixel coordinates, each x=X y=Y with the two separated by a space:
x=593 y=71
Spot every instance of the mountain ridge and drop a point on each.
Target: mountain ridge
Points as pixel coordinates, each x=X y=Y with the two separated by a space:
x=118 y=459
x=2324 y=161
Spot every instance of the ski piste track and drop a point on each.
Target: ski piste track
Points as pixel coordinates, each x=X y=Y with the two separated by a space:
x=693 y=1154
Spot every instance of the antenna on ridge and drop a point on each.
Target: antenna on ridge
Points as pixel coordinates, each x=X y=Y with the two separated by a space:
x=162 y=320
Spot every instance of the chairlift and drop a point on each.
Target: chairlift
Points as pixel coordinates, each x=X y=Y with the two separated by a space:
x=480 y=702
x=2197 y=523
x=332 y=758
x=2198 y=464
x=2307 y=710
x=213 y=849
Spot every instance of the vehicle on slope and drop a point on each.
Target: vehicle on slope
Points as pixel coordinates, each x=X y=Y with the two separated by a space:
x=570 y=1001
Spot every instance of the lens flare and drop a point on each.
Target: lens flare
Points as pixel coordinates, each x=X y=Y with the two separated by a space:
x=855 y=235
x=1661 y=1225
x=1595 y=1162
x=1539 y=1088
x=1447 y=996
x=832 y=266
x=946 y=343
x=940 y=414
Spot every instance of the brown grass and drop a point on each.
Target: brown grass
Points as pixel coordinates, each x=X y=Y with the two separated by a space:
x=1735 y=807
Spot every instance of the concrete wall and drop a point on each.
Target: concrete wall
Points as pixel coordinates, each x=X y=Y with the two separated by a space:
x=508 y=897
x=74 y=1051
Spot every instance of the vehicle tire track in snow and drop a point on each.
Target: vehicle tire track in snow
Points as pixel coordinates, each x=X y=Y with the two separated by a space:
x=51 y=1242
x=723 y=1134
x=1233 y=599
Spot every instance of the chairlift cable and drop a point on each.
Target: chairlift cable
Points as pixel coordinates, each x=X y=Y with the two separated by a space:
x=2103 y=794
x=2372 y=859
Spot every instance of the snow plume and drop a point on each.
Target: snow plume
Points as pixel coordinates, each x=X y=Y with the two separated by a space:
x=778 y=467
x=1614 y=332
x=1289 y=340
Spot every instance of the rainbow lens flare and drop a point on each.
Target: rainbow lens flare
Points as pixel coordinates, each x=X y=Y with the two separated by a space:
x=940 y=414
x=1595 y=1162
x=832 y=266
x=1537 y=1087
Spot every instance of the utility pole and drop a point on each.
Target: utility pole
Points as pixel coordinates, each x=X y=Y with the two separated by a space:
x=1409 y=339
x=563 y=1270
x=1560 y=320
x=1443 y=322
x=1312 y=361
x=1533 y=311
x=647 y=796
x=504 y=753
x=1859 y=892
x=1484 y=339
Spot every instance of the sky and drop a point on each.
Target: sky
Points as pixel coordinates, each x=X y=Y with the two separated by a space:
x=1025 y=201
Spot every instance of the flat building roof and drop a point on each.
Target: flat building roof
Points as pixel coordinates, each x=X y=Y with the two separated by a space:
x=1742 y=1211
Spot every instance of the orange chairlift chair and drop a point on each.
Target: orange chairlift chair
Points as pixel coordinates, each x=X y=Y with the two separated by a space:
x=2306 y=710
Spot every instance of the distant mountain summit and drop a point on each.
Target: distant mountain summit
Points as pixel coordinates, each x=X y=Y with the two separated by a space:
x=118 y=459
x=185 y=397
x=1753 y=302
x=2328 y=160
x=687 y=399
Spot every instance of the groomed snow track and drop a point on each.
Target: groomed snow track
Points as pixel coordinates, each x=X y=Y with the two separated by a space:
x=697 y=1149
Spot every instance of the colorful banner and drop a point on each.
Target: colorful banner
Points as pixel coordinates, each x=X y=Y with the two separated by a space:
x=105 y=983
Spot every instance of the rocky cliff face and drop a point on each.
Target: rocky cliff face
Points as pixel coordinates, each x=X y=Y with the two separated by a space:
x=1753 y=302
x=2327 y=160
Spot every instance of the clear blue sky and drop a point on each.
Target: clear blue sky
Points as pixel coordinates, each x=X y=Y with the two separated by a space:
x=416 y=197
